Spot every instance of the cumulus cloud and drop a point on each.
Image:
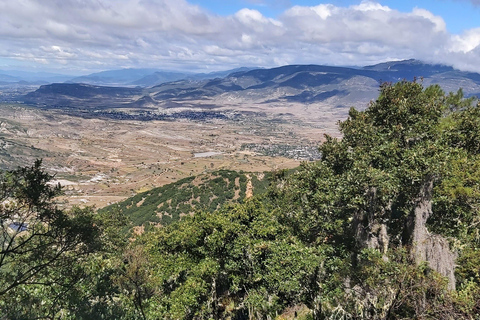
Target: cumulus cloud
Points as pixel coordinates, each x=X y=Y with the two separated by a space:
x=174 y=34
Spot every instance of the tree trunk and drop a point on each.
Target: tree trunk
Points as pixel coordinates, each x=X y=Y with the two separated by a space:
x=370 y=230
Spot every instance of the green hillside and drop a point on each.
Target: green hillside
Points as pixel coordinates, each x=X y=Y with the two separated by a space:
x=204 y=192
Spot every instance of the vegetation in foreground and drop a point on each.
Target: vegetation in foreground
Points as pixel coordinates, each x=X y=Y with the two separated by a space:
x=384 y=226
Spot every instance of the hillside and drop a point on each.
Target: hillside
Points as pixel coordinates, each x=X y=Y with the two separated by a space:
x=204 y=192
x=119 y=77
x=80 y=95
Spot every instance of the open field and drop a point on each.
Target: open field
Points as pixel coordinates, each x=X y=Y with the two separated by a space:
x=100 y=161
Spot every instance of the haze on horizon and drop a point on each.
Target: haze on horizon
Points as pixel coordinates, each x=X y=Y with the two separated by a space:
x=84 y=36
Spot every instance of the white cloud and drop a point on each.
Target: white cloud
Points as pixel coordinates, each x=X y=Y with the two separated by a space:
x=439 y=23
x=365 y=23
x=466 y=42
x=95 y=34
x=322 y=11
x=370 y=6
x=250 y=17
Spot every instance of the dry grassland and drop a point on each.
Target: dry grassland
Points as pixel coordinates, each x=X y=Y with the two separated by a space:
x=100 y=161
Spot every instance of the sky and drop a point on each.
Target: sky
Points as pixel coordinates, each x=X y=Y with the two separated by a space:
x=85 y=36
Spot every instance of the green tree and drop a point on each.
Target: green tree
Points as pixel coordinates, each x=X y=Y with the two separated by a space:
x=238 y=262
x=41 y=245
x=406 y=166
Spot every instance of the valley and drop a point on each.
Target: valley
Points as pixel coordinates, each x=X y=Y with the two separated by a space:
x=102 y=160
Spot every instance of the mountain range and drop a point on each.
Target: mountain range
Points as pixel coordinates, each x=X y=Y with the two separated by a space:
x=128 y=77
x=15 y=77
x=310 y=84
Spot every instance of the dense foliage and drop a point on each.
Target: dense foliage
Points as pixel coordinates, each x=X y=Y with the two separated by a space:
x=411 y=149
x=41 y=245
x=334 y=239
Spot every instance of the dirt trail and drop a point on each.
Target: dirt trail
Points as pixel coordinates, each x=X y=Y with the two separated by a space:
x=249 y=191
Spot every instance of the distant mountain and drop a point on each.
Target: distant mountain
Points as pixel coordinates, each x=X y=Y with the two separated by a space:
x=293 y=83
x=85 y=95
x=300 y=83
x=314 y=83
x=120 y=77
x=218 y=74
x=334 y=86
x=161 y=77
x=5 y=78
x=408 y=69
x=32 y=77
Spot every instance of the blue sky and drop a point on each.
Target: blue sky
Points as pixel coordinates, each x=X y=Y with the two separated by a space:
x=82 y=36
x=459 y=15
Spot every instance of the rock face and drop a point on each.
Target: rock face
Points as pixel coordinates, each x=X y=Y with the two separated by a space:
x=371 y=232
x=427 y=247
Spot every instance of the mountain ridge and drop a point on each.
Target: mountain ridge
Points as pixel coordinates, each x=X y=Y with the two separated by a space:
x=292 y=83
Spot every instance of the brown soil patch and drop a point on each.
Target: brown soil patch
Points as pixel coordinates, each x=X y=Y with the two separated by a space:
x=138 y=230
x=237 y=188
x=249 y=191
x=139 y=203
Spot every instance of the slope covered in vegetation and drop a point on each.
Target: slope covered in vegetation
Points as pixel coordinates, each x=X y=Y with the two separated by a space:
x=206 y=192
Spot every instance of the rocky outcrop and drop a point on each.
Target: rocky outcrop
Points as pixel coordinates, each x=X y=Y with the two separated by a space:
x=426 y=247
x=371 y=232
